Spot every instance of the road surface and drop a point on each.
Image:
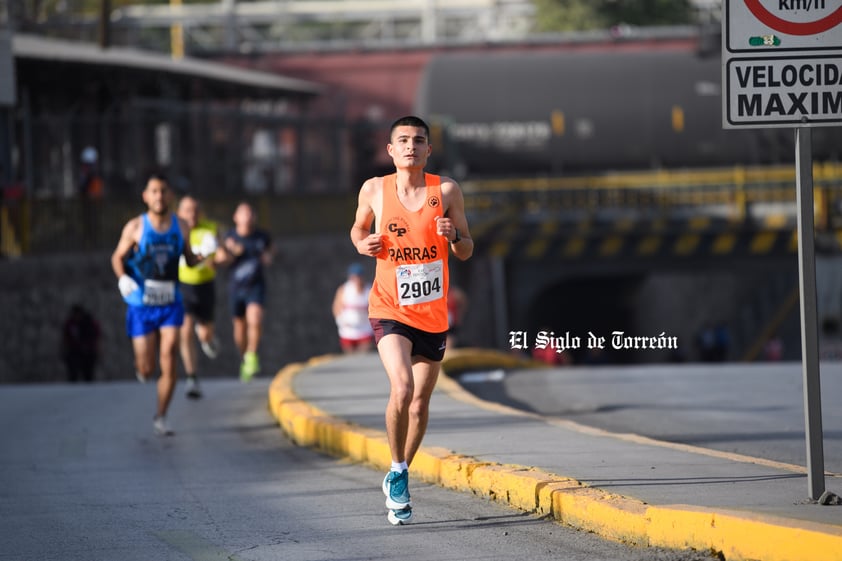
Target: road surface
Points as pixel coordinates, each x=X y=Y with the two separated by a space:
x=83 y=477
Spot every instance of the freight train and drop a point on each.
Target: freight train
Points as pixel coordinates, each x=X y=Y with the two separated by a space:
x=519 y=113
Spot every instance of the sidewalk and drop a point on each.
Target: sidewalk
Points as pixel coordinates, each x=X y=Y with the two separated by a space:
x=622 y=487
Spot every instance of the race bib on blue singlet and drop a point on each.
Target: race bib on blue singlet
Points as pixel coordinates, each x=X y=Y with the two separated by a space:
x=158 y=293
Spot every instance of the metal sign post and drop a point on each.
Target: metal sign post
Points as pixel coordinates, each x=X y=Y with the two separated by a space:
x=809 y=316
x=780 y=67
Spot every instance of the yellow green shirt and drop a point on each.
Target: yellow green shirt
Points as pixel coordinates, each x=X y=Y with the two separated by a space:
x=201 y=273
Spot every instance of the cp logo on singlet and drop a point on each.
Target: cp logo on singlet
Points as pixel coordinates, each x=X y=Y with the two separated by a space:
x=399 y=230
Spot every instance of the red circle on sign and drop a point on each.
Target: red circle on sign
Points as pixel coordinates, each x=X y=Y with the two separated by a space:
x=790 y=27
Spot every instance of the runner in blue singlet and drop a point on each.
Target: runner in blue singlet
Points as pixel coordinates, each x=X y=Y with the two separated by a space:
x=146 y=264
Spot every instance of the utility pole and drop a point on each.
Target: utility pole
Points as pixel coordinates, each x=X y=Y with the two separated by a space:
x=176 y=33
x=104 y=24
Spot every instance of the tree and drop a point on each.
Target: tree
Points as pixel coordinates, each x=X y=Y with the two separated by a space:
x=581 y=15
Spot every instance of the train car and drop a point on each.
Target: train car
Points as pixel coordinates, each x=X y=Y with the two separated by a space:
x=518 y=113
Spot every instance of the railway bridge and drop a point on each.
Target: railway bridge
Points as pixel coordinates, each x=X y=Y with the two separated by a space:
x=674 y=252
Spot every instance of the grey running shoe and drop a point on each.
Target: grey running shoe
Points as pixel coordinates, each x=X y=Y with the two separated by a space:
x=161 y=427
x=193 y=391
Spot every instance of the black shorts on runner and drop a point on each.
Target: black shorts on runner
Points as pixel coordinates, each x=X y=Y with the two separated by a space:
x=241 y=296
x=199 y=300
x=429 y=345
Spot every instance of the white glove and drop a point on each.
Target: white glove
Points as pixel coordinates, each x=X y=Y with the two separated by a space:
x=208 y=245
x=127 y=285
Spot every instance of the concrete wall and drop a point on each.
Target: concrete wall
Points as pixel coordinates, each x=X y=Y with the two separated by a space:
x=36 y=293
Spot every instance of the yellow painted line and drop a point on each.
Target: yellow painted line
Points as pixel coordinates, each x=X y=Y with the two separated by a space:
x=537 y=248
x=611 y=245
x=649 y=245
x=502 y=246
x=549 y=227
x=662 y=179
x=724 y=243
x=775 y=221
x=699 y=223
x=658 y=225
x=686 y=244
x=740 y=536
x=574 y=247
x=483 y=228
x=624 y=224
x=763 y=242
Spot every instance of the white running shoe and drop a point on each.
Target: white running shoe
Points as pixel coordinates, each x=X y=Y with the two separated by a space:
x=161 y=427
x=140 y=377
x=210 y=348
x=399 y=517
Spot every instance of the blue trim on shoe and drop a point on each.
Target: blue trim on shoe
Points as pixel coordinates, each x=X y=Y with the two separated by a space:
x=396 y=489
x=400 y=516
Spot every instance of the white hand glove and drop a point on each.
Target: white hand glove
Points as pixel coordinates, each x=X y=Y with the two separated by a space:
x=208 y=245
x=127 y=285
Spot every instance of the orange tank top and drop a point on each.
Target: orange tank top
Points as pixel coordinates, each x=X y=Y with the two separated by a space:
x=411 y=279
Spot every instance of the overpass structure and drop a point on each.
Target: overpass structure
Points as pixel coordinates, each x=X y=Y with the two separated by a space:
x=681 y=249
x=721 y=212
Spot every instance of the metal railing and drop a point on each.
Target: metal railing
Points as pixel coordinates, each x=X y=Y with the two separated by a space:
x=733 y=195
x=736 y=197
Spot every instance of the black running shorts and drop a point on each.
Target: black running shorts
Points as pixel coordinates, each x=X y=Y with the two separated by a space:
x=429 y=345
x=199 y=300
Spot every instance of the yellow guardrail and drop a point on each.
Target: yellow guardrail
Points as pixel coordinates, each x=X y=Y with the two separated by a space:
x=733 y=187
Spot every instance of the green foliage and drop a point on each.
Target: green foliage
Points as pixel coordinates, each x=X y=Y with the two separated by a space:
x=572 y=15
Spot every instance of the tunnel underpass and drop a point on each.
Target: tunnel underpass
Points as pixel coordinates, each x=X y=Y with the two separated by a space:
x=575 y=308
x=669 y=309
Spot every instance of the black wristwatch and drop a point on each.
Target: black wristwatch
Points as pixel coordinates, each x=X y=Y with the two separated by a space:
x=458 y=237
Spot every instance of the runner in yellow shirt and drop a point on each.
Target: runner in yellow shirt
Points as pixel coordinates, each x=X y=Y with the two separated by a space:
x=198 y=289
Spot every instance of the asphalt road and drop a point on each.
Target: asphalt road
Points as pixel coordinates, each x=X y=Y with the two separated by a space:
x=83 y=477
x=752 y=409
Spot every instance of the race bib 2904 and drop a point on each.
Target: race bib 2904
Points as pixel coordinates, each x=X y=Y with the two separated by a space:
x=419 y=283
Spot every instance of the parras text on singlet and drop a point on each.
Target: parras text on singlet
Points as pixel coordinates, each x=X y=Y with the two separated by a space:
x=397 y=254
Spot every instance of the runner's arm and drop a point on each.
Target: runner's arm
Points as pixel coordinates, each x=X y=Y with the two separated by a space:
x=455 y=213
x=124 y=246
x=366 y=243
x=191 y=258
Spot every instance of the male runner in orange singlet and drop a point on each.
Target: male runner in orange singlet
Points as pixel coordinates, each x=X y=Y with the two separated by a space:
x=416 y=216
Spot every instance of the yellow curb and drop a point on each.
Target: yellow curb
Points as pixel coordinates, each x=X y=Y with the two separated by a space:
x=742 y=535
x=739 y=536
